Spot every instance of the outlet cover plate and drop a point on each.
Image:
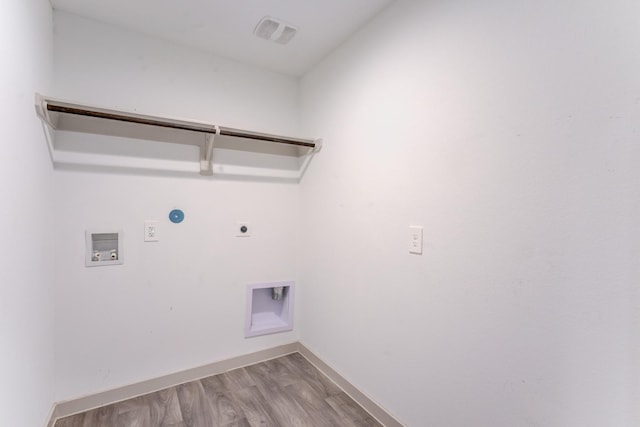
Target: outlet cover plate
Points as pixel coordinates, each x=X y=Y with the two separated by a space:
x=151 y=231
x=415 y=240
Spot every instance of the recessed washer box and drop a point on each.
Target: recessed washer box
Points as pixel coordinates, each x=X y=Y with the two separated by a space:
x=103 y=248
x=269 y=308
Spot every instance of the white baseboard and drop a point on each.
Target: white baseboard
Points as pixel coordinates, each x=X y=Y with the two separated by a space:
x=86 y=403
x=362 y=399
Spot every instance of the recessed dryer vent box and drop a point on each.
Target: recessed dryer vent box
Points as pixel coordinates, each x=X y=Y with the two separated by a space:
x=103 y=248
x=269 y=308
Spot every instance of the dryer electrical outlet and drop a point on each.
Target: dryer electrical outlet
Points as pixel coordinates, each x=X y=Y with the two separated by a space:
x=243 y=229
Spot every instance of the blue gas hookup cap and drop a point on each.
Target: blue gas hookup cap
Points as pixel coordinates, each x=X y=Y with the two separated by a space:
x=176 y=216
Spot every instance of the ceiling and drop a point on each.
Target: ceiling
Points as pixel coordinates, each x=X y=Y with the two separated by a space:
x=225 y=27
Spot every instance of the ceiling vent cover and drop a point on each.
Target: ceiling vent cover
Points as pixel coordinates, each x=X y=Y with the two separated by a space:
x=275 y=30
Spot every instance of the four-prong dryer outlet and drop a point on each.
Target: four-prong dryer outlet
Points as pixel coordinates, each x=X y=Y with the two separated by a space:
x=243 y=229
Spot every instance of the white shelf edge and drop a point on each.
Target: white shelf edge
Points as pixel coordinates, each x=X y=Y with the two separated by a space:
x=205 y=165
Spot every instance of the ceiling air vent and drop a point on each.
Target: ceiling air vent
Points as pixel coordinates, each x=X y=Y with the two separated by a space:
x=275 y=30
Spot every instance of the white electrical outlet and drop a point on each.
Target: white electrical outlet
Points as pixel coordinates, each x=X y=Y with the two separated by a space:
x=415 y=239
x=151 y=231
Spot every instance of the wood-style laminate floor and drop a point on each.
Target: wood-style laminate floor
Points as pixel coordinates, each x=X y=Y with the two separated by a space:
x=283 y=392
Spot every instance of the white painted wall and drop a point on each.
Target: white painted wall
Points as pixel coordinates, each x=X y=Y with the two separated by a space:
x=177 y=303
x=511 y=132
x=26 y=218
x=112 y=67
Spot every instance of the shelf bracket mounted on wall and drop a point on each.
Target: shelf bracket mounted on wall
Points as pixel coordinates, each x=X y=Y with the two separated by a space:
x=206 y=154
x=239 y=152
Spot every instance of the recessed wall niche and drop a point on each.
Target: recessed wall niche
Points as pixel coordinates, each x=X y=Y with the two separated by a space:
x=103 y=248
x=269 y=308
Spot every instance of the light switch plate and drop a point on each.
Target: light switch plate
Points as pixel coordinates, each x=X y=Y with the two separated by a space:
x=415 y=239
x=151 y=231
